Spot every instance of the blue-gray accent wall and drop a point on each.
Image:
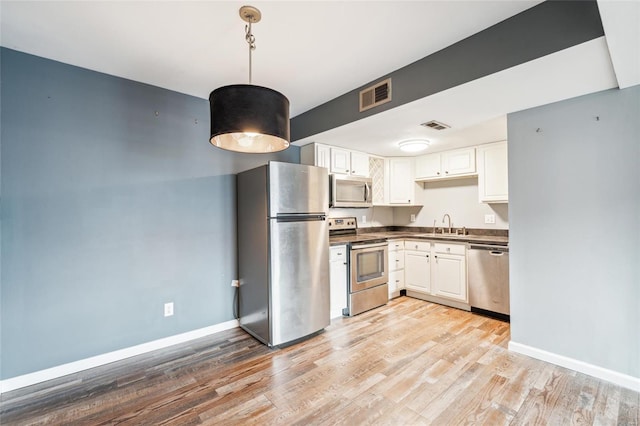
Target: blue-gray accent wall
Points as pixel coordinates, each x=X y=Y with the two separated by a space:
x=574 y=237
x=112 y=203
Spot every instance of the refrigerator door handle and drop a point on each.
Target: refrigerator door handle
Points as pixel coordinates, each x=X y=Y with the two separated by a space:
x=300 y=218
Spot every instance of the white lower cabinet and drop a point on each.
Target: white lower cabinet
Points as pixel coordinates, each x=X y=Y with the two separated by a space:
x=417 y=266
x=396 y=268
x=338 y=280
x=436 y=271
x=396 y=283
x=449 y=271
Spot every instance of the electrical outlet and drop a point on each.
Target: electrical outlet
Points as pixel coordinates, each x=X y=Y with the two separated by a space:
x=413 y=218
x=235 y=283
x=168 y=309
x=364 y=219
x=489 y=218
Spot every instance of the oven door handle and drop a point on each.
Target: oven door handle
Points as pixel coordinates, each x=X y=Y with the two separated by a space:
x=366 y=246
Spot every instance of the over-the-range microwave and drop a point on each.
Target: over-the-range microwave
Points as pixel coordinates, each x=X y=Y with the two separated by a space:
x=349 y=191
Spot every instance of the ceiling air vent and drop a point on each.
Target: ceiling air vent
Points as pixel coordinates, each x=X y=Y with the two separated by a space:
x=375 y=95
x=436 y=125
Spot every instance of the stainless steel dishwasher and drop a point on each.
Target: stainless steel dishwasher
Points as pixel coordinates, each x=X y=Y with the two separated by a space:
x=488 y=269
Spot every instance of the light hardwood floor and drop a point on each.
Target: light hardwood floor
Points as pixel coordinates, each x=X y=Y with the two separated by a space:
x=409 y=363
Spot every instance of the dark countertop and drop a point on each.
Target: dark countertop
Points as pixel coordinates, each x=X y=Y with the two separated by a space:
x=346 y=239
x=421 y=236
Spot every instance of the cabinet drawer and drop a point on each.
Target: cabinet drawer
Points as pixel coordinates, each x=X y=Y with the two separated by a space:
x=338 y=253
x=417 y=245
x=396 y=280
x=396 y=245
x=396 y=260
x=450 y=248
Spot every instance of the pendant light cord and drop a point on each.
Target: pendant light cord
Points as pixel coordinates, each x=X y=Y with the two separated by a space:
x=252 y=43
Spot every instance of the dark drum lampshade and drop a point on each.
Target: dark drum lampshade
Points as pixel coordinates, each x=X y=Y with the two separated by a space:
x=248 y=118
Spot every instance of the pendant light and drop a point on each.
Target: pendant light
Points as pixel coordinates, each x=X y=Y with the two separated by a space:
x=248 y=118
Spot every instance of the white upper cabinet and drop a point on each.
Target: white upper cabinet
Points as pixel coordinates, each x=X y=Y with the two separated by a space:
x=428 y=166
x=493 y=175
x=401 y=183
x=323 y=156
x=315 y=154
x=359 y=164
x=347 y=162
x=445 y=165
x=340 y=161
x=459 y=162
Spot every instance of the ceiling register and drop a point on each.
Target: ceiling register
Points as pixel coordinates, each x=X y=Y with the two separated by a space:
x=248 y=118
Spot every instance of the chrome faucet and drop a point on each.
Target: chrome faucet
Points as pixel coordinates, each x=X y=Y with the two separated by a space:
x=447 y=215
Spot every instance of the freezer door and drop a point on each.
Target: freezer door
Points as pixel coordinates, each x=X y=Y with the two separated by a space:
x=299 y=291
x=297 y=188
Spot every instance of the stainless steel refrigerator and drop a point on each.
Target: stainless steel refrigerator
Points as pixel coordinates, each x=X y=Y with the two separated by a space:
x=283 y=251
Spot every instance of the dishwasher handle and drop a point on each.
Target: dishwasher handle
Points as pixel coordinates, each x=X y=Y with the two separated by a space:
x=495 y=250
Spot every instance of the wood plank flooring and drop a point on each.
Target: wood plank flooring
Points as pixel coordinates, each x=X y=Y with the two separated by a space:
x=408 y=363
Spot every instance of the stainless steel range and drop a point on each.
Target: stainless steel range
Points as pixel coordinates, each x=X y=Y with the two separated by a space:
x=368 y=273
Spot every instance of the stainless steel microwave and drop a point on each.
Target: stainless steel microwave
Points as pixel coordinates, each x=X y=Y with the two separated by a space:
x=348 y=191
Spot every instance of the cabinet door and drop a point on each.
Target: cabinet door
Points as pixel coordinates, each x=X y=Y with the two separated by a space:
x=396 y=260
x=338 y=280
x=359 y=164
x=428 y=166
x=396 y=283
x=493 y=175
x=449 y=276
x=401 y=181
x=417 y=271
x=323 y=156
x=340 y=161
x=459 y=162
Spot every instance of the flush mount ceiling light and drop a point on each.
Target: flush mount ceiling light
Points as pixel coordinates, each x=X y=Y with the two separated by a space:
x=245 y=117
x=414 y=145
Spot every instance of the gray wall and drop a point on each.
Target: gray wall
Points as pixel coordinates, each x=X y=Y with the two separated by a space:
x=574 y=190
x=546 y=28
x=108 y=211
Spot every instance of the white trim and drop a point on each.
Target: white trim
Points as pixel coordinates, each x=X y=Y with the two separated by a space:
x=614 y=377
x=96 y=361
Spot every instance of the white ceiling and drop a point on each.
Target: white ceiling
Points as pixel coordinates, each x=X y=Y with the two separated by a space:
x=314 y=51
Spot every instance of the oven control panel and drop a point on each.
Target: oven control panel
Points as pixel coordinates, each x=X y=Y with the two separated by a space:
x=342 y=223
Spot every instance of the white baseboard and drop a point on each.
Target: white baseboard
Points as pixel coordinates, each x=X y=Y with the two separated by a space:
x=614 y=377
x=96 y=361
